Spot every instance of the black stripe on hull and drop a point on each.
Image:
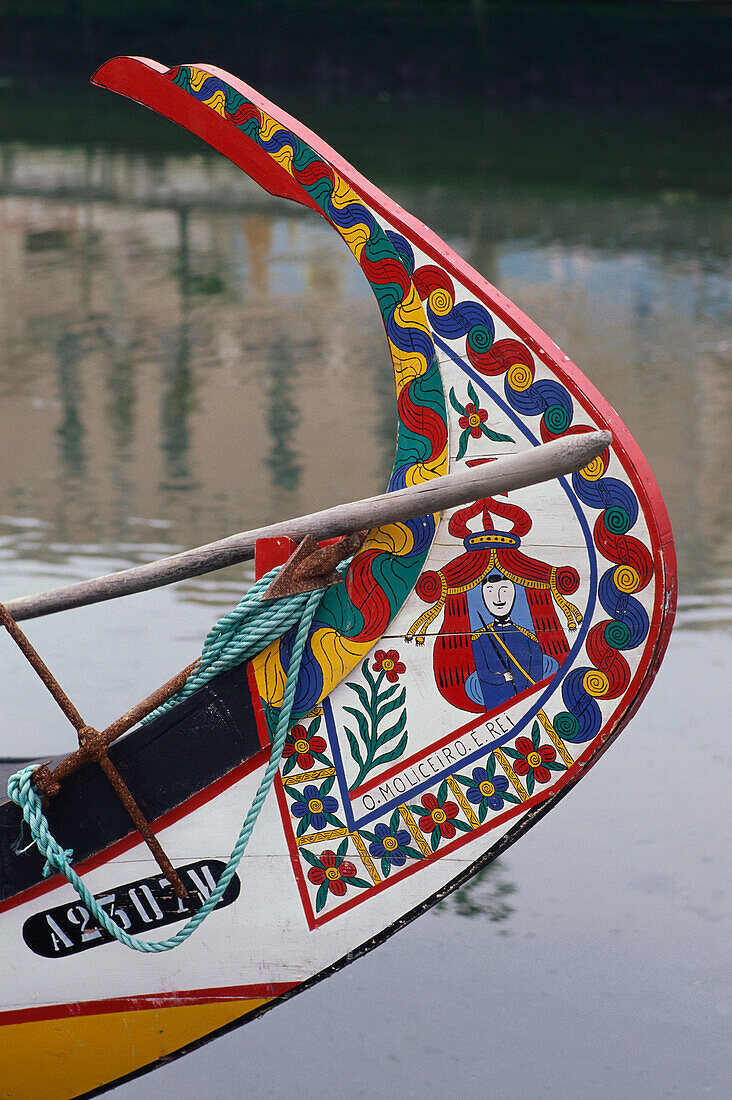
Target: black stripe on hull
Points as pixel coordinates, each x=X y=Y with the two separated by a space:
x=163 y=763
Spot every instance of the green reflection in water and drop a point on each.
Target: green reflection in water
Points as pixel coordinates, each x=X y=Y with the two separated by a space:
x=487 y=894
x=70 y=352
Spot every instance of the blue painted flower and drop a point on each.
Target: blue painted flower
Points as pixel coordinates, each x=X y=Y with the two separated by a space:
x=492 y=788
x=315 y=807
x=390 y=844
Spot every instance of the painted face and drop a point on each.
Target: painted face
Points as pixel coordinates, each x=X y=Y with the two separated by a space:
x=499 y=596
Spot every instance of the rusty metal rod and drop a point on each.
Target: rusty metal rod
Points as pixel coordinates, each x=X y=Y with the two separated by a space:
x=42 y=669
x=88 y=750
x=140 y=822
x=93 y=745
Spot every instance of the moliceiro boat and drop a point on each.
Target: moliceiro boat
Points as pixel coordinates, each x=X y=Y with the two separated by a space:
x=428 y=685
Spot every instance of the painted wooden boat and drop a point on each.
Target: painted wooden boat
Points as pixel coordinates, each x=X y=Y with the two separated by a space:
x=475 y=664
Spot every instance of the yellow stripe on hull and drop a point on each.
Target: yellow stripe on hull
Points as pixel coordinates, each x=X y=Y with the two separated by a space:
x=65 y=1057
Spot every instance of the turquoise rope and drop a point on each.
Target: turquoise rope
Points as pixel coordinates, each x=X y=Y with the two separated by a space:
x=22 y=791
x=240 y=634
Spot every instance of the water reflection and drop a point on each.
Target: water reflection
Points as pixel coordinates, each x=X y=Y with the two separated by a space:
x=69 y=353
x=178 y=378
x=179 y=347
x=282 y=417
x=485 y=895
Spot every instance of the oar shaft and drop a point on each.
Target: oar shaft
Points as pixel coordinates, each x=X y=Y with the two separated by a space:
x=562 y=456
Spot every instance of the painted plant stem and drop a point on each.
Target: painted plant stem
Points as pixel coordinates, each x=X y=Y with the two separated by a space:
x=376 y=706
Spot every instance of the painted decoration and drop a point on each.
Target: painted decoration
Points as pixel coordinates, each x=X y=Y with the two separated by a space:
x=471 y=668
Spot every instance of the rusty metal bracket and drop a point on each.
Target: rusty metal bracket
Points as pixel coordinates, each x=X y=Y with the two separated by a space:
x=93 y=745
x=311 y=567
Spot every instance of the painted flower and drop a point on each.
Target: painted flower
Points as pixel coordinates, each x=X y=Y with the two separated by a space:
x=332 y=872
x=473 y=419
x=391 y=844
x=534 y=760
x=488 y=788
x=304 y=745
x=437 y=817
x=315 y=807
x=389 y=663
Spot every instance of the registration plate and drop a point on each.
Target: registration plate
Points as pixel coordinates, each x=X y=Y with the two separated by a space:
x=136 y=907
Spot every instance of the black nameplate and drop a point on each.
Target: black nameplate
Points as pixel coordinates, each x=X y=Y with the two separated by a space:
x=136 y=907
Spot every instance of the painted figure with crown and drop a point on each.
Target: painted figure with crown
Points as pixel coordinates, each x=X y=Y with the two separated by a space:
x=501 y=633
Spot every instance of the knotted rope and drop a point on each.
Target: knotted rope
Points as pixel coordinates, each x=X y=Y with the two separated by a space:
x=239 y=635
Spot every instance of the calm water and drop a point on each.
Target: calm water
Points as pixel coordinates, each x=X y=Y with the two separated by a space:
x=182 y=357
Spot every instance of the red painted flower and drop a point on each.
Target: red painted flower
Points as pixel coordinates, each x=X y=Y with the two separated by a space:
x=473 y=419
x=390 y=664
x=534 y=759
x=438 y=816
x=302 y=744
x=333 y=870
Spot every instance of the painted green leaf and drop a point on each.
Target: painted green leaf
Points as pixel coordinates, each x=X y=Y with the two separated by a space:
x=359 y=882
x=495 y=436
x=366 y=674
x=353 y=745
x=393 y=731
x=384 y=758
x=321 y=896
x=363 y=727
x=361 y=692
x=387 y=708
x=455 y=403
x=463 y=444
x=342 y=847
x=384 y=695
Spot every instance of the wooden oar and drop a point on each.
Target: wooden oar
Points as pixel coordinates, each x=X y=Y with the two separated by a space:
x=562 y=456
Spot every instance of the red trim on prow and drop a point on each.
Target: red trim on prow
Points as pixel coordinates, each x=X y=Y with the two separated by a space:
x=148 y=84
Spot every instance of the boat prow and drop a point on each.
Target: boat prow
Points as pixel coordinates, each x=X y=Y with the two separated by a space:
x=473 y=666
